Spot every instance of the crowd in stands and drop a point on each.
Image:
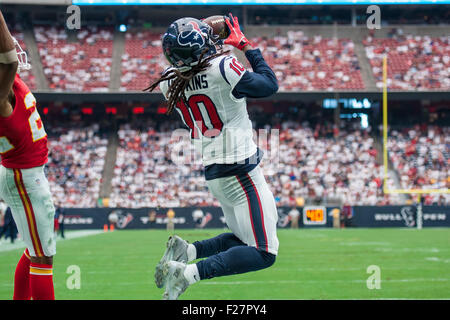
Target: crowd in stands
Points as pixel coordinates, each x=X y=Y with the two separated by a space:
x=305 y=163
x=142 y=61
x=147 y=175
x=300 y=62
x=312 y=63
x=309 y=164
x=315 y=164
x=414 y=62
x=75 y=166
x=81 y=62
x=421 y=156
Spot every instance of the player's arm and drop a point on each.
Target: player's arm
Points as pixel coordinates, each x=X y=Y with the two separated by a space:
x=8 y=67
x=262 y=82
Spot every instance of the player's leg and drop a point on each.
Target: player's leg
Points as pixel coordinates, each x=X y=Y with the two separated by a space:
x=256 y=217
x=22 y=289
x=41 y=267
x=12 y=232
x=236 y=260
x=212 y=246
x=182 y=251
x=61 y=229
x=27 y=192
x=263 y=215
x=239 y=259
x=222 y=242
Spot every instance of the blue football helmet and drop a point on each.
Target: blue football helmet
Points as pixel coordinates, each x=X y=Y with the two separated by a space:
x=185 y=40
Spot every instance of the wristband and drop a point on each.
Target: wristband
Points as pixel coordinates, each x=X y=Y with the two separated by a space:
x=9 y=57
x=243 y=43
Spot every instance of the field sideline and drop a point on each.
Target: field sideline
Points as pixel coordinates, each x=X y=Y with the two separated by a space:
x=312 y=264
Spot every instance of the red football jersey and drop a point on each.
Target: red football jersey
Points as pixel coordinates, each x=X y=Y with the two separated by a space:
x=23 y=140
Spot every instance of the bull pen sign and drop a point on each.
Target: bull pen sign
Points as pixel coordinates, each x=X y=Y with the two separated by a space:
x=212 y=217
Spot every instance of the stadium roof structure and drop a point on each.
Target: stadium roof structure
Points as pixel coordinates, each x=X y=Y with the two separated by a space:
x=49 y=96
x=226 y=2
x=255 y=2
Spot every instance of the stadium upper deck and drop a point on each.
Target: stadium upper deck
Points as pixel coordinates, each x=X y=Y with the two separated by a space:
x=307 y=57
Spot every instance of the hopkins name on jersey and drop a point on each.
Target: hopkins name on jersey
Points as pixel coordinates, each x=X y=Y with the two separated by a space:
x=219 y=125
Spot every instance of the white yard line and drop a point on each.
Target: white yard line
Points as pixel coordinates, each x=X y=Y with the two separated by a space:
x=433 y=250
x=437 y=259
x=365 y=243
x=18 y=244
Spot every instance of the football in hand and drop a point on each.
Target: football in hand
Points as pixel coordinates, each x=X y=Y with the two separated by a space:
x=219 y=26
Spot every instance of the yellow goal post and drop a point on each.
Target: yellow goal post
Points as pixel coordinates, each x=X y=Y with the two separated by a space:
x=386 y=190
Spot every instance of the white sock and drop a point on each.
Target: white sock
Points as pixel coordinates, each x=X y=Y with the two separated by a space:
x=191 y=273
x=191 y=252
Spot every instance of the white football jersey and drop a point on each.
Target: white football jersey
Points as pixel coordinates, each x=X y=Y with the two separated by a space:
x=220 y=128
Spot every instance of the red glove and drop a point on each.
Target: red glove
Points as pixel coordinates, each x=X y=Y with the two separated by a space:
x=236 y=37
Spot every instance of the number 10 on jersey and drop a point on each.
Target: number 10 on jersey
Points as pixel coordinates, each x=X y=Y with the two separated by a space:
x=200 y=112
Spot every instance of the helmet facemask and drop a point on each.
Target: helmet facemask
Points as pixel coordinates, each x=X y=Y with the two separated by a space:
x=21 y=57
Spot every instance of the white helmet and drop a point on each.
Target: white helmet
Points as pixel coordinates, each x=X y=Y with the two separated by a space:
x=21 y=57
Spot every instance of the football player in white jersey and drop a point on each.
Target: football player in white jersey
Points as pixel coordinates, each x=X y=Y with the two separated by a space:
x=208 y=88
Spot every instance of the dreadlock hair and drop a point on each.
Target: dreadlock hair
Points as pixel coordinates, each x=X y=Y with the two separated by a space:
x=182 y=79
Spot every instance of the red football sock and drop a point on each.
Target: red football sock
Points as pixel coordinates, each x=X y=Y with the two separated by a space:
x=22 y=290
x=41 y=278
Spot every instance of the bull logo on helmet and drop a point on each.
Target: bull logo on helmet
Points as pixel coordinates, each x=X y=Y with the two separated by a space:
x=193 y=37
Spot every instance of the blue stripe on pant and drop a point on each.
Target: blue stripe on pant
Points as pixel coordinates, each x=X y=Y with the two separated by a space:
x=255 y=210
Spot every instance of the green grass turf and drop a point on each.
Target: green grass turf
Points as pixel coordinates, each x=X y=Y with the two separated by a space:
x=312 y=264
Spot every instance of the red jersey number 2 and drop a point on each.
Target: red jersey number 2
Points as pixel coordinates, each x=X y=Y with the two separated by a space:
x=36 y=127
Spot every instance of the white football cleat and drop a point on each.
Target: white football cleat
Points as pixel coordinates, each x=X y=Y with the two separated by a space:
x=176 y=282
x=176 y=251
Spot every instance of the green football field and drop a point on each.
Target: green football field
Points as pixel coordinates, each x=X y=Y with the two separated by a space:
x=312 y=264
